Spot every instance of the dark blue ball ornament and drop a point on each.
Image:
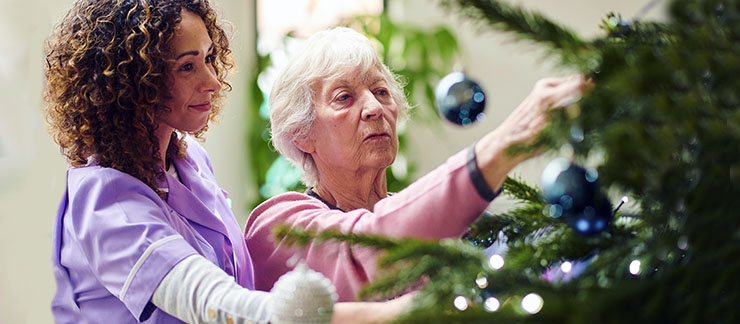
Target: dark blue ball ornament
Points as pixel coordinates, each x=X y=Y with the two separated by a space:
x=459 y=99
x=592 y=219
x=568 y=185
x=573 y=194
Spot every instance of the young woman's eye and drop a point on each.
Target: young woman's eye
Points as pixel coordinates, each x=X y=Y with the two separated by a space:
x=186 y=67
x=210 y=58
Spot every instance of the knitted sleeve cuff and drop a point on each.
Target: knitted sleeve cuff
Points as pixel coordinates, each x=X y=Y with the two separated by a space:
x=477 y=177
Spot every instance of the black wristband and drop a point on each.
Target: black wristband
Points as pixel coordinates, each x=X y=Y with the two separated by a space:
x=477 y=177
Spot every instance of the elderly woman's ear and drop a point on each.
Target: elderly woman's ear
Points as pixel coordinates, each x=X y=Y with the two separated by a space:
x=304 y=144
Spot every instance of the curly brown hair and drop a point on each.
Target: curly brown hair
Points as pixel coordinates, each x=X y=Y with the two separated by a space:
x=106 y=79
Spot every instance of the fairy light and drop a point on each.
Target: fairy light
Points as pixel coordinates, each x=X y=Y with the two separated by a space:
x=683 y=242
x=635 y=267
x=461 y=303
x=491 y=304
x=496 y=261
x=532 y=303
x=625 y=199
x=482 y=282
x=566 y=266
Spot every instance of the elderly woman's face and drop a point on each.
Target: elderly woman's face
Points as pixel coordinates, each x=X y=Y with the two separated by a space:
x=192 y=79
x=355 y=125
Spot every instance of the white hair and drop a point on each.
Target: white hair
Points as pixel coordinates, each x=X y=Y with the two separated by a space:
x=325 y=56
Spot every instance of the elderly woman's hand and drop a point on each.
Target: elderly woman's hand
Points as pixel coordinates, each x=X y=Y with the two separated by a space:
x=370 y=312
x=523 y=125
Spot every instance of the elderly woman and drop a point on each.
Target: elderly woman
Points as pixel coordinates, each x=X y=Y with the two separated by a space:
x=144 y=233
x=334 y=111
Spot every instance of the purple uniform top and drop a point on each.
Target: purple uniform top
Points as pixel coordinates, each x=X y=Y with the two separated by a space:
x=115 y=239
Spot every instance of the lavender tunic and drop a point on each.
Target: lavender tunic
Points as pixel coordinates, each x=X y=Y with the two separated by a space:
x=115 y=239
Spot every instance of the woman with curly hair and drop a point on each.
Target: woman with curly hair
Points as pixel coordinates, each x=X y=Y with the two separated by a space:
x=144 y=233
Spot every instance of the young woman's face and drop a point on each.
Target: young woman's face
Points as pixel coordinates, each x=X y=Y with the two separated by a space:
x=191 y=76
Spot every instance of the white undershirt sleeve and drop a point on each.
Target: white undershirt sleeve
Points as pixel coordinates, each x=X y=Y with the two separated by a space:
x=197 y=291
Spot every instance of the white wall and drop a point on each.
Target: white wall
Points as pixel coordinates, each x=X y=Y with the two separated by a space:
x=32 y=171
x=31 y=168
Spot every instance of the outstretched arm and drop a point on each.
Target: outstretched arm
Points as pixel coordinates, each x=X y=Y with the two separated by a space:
x=197 y=291
x=523 y=125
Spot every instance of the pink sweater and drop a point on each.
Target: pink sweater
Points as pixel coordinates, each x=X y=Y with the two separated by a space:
x=439 y=205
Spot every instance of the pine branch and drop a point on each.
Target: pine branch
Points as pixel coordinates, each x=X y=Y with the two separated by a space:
x=297 y=236
x=516 y=188
x=398 y=279
x=530 y=26
x=617 y=27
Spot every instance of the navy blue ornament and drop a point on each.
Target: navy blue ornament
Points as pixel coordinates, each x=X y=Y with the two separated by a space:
x=573 y=194
x=568 y=185
x=459 y=99
x=592 y=219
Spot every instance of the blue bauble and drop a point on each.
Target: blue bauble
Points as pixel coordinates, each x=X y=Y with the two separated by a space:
x=568 y=185
x=592 y=219
x=573 y=193
x=459 y=99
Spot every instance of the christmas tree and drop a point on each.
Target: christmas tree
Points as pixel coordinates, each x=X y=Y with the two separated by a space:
x=663 y=123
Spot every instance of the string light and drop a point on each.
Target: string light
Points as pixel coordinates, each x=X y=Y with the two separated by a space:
x=625 y=199
x=482 y=282
x=566 y=266
x=683 y=242
x=496 y=262
x=461 y=303
x=491 y=304
x=532 y=303
x=635 y=267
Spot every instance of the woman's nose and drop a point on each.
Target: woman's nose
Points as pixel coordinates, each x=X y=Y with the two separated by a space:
x=210 y=80
x=371 y=107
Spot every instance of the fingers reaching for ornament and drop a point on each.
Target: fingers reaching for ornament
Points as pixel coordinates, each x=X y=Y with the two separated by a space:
x=558 y=92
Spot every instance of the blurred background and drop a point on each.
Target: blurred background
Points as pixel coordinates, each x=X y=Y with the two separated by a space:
x=32 y=170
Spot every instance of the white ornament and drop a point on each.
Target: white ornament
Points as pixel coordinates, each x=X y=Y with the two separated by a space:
x=302 y=296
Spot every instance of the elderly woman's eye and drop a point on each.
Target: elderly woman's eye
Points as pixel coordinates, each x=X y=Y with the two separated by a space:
x=343 y=97
x=382 y=92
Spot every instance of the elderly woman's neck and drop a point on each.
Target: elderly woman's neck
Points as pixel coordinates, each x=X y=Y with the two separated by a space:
x=353 y=192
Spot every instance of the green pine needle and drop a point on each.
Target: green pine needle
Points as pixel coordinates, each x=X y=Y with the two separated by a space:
x=528 y=25
x=516 y=188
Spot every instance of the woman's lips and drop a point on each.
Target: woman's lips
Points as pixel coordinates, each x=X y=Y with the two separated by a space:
x=206 y=106
x=376 y=136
